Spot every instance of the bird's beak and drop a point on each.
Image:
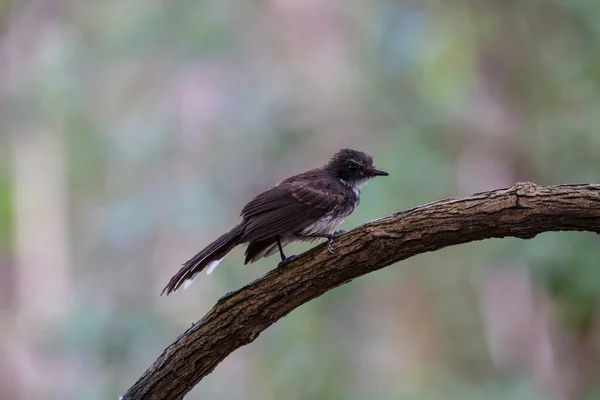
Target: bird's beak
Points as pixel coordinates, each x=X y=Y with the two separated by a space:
x=378 y=172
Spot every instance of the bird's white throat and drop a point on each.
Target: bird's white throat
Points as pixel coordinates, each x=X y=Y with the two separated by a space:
x=355 y=185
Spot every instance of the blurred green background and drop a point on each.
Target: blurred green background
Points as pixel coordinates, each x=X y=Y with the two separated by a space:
x=133 y=131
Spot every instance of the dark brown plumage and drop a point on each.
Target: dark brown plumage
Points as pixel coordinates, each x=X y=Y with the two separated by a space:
x=303 y=207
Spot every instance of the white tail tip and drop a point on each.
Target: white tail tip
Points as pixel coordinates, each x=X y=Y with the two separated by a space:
x=212 y=265
x=189 y=281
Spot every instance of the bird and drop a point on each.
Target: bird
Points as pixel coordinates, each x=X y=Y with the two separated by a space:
x=303 y=207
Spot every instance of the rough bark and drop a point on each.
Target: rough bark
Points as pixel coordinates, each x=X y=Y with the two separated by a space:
x=522 y=211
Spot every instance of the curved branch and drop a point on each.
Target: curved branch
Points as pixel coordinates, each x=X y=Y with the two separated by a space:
x=522 y=211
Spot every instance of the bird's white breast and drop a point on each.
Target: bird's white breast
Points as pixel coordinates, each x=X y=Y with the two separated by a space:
x=329 y=222
x=324 y=225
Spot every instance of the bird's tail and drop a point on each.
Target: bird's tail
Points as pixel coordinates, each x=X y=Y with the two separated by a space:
x=209 y=257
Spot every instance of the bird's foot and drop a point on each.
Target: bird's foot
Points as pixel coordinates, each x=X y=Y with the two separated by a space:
x=286 y=260
x=330 y=239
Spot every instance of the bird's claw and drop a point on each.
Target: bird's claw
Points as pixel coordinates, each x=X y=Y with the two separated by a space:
x=329 y=243
x=287 y=260
x=334 y=235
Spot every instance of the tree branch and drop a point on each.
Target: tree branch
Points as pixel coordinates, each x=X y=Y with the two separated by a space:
x=522 y=211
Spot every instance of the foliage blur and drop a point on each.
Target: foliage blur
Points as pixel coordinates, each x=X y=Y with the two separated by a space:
x=133 y=131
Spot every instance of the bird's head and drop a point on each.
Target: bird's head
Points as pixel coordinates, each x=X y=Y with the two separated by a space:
x=353 y=167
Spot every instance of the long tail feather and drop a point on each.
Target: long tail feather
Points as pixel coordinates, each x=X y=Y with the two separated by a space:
x=209 y=257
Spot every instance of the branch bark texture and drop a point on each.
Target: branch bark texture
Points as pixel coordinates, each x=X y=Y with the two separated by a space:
x=522 y=211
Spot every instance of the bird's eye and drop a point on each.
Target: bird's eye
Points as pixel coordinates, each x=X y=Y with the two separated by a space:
x=353 y=166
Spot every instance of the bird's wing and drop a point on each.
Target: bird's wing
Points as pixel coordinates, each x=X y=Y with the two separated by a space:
x=286 y=209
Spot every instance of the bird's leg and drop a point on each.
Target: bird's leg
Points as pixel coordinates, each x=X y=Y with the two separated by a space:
x=284 y=259
x=329 y=236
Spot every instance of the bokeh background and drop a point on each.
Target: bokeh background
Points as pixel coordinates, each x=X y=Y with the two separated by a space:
x=133 y=131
